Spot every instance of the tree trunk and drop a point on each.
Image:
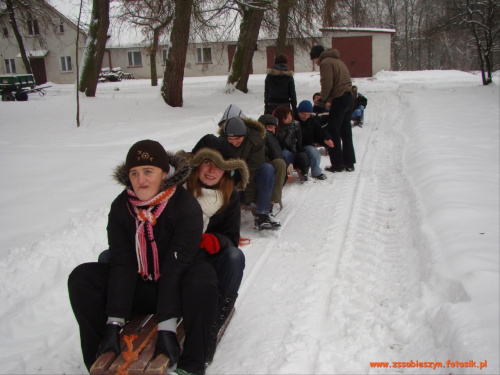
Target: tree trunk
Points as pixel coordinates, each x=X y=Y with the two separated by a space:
x=173 y=77
x=98 y=35
x=283 y=9
x=247 y=41
x=152 y=57
x=328 y=13
x=19 y=38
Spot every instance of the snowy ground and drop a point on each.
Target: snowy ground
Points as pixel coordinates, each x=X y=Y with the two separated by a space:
x=395 y=262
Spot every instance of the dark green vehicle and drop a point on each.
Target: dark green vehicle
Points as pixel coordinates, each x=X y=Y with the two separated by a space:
x=18 y=86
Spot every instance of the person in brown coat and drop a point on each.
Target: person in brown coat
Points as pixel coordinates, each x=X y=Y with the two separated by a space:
x=336 y=89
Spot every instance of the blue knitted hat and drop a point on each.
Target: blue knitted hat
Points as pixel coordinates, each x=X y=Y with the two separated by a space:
x=305 y=106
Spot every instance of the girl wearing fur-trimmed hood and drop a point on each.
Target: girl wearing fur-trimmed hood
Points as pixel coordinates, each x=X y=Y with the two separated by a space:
x=154 y=233
x=279 y=86
x=215 y=176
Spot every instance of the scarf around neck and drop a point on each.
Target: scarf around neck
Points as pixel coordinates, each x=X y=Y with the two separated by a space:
x=145 y=214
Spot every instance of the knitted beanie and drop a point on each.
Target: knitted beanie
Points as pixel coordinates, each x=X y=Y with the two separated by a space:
x=268 y=120
x=232 y=111
x=147 y=152
x=235 y=128
x=316 y=51
x=305 y=106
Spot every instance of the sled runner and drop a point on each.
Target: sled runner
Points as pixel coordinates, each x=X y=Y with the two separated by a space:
x=138 y=339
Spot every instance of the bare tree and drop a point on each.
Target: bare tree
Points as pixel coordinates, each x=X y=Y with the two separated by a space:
x=482 y=19
x=252 y=15
x=171 y=89
x=152 y=17
x=96 y=45
x=78 y=66
x=284 y=7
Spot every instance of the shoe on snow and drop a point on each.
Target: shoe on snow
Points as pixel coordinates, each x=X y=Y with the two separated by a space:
x=264 y=221
x=321 y=176
x=335 y=168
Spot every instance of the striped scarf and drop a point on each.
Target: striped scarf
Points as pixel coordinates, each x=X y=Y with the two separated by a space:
x=145 y=219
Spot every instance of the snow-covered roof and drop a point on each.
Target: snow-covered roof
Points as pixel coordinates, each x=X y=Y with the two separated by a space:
x=358 y=29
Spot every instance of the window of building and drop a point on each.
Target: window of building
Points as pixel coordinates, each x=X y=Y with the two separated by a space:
x=66 y=65
x=10 y=66
x=204 y=55
x=59 y=27
x=134 y=58
x=33 y=28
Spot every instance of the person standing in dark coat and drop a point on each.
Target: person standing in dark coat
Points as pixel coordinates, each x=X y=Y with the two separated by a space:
x=156 y=265
x=279 y=87
x=336 y=89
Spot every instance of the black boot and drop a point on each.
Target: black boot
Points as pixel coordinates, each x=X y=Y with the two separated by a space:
x=226 y=304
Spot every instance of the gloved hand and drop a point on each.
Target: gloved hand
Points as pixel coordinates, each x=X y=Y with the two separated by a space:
x=210 y=243
x=168 y=344
x=290 y=169
x=111 y=340
x=320 y=106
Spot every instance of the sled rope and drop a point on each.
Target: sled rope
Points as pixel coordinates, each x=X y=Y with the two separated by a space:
x=132 y=355
x=244 y=241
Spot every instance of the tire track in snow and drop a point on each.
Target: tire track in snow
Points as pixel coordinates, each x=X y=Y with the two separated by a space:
x=376 y=312
x=316 y=212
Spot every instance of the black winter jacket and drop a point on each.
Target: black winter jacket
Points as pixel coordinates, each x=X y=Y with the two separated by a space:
x=279 y=87
x=360 y=100
x=290 y=137
x=225 y=225
x=312 y=131
x=177 y=234
x=273 y=148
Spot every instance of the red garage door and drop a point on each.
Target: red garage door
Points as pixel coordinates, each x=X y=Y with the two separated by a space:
x=356 y=53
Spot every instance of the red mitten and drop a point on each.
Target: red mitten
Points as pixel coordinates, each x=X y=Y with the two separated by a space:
x=210 y=243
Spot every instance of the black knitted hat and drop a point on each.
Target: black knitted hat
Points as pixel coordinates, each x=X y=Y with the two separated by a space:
x=316 y=51
x=147 y=152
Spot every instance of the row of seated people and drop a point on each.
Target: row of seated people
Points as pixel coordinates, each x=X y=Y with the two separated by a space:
x=273 y=147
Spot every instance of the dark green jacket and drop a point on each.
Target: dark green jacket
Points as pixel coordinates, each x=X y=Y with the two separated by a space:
x=252 y=151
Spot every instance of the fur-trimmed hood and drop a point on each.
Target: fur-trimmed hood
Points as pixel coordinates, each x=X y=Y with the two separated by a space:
x=230 y=164
x=181 y=169
x=280 y=70
x=252 y=126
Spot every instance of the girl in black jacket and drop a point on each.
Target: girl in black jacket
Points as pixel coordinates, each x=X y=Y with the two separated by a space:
x=212 y=184
x=156 y=264
x=279 y=86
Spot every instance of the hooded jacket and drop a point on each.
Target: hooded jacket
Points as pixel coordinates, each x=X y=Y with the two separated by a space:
x=177 y=234
x=279 y=87
x=252 y=151
x=335 y=77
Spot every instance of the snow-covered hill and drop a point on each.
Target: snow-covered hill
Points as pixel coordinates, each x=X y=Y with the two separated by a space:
x=395 y=262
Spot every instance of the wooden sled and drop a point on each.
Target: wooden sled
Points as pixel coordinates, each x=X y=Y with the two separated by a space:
x=143 y=363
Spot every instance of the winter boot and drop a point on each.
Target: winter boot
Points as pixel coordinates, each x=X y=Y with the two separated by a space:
x=226 y=304
x=264 y=221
